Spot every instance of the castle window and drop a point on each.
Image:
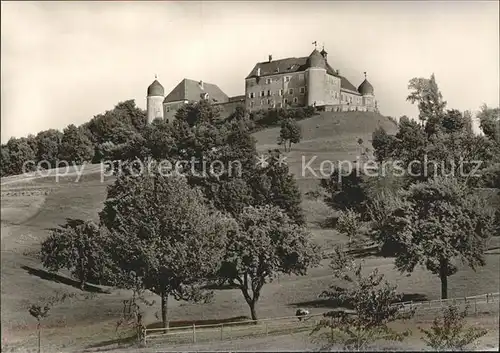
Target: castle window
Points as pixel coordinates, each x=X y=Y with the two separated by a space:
x=295 y=100
x=290 y=91
x=280 y=92
x=251 y=94
x=251 y=104
x=302 y=90
x=287 y=78
x=301 y=77
x=285 y=101
x=268 y=81
x=262 y=101
x=280 y=105
x=269 y=101
x=268 y=92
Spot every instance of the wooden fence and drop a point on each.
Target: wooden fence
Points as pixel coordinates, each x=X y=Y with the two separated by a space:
x=283 y=325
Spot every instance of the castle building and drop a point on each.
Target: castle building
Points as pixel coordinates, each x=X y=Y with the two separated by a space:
x=305 y=81
x=290 y=82
x=187 y=91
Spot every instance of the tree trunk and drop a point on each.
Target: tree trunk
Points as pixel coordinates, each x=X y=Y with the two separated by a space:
x=444 y=281
x=39 y=337
x=164 y=308
x=82 y=284
x=252 y=310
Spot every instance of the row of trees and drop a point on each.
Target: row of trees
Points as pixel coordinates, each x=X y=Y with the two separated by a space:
x=179 y=235
x=432 y=216
x=93 y=141
x=429 y=215
x=75 y=145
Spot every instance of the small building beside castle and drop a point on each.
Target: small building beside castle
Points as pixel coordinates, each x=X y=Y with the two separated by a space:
x=187 y=91
x=290 y=82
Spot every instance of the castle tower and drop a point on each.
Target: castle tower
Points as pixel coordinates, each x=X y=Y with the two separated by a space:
x=366 y=89
x=316 y=77
x=155 y=101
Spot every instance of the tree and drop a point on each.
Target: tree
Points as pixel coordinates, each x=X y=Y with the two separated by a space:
x=274 y=185
x=267 y=243
x=435 y=224
x=450 y=331
x=163 y=231
x=489 y=121
x=290 y=132
x=349 y=223
x=75 y=146
x=48 y=143
x=383 y=143
x=372 y=301
x=426 y=94
x=41 y=310
x=79 y=247
x=21 y=156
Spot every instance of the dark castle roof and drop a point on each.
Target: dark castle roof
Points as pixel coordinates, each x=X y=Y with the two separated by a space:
x=192 y=90
x=290 y=65
x=156 y=89
x=365 y=87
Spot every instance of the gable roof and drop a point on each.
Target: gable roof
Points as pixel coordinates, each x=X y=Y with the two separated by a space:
x=345 y=84
x=289 y=65
x=192 y=90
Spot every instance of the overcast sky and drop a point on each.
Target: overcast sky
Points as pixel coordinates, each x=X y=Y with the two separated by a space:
x=64 y=62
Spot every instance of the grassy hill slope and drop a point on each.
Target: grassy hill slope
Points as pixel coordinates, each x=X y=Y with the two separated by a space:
x=31 y=206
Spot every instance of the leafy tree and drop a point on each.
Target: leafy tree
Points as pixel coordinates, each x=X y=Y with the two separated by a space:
x=489 y=121
x=5 y=161
x=197 y=112
x=290 y=132
x=79 y=247
x=435 y=224
x=426 y=94
x=371 y=299
x=41 y=309
x=163 y=231
x=349 y=223
x=383 y=143
x=21 y=156
x=117 y=125
x=450 y=332
x=267 y=243
x=274 y=185
x=48 y=143
x=75 y=147
x=346 y=190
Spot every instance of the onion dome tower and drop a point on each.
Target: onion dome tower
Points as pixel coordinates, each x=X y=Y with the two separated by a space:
x=315 y=72
x=155 y=98
x=366 y=89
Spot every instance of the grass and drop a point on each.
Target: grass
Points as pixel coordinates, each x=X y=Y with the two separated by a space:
x=31 y=206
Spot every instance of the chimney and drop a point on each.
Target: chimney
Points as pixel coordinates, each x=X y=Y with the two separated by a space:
x=201 y=84
x=270 y=58
x=258 y=71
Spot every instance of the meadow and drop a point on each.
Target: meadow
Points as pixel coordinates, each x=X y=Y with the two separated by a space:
x=32 y=205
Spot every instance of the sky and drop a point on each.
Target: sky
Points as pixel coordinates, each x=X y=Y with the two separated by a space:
x=64 y=62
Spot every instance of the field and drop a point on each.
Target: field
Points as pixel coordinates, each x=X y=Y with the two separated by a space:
x=32 y=205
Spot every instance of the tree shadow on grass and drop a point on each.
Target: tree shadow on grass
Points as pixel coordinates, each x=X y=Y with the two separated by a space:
x=414 y=297
x=121 y=342
x=54 y=277
x=233 y=320
x=333 y=303
x=319 y=303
